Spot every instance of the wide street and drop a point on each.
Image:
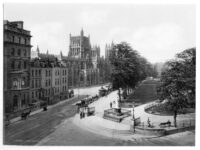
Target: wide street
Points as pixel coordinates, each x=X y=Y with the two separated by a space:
x=38 y=126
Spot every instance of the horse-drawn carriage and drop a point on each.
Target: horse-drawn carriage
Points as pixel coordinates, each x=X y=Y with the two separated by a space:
x=26 y=113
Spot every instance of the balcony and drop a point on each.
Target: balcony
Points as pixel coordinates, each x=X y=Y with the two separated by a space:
x=20 y=88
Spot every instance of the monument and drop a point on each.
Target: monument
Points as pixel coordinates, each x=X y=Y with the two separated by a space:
x=116 y=113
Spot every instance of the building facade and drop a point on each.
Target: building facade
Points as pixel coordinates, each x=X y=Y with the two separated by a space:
x=17 y=48
x=35 y=81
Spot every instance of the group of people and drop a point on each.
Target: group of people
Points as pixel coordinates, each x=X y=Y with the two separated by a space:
x=83 y=112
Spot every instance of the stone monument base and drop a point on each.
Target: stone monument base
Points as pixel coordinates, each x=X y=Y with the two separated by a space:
x=116 y=114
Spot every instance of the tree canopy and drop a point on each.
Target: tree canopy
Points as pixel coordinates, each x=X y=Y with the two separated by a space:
x=128 y=67
x=178 y=81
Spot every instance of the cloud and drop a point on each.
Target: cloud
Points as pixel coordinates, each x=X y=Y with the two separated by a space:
x=159 y=42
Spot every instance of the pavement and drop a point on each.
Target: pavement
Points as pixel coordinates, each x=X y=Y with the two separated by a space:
x=99 y=125
x=41 y=110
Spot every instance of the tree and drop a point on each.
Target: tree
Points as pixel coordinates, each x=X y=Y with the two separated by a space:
x=128 y=67
x=178 y=81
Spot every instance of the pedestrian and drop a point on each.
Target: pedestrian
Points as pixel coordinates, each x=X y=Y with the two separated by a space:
x=80 y=115
x=110 y=104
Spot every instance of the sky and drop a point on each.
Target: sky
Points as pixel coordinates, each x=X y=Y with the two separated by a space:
x=157 y=32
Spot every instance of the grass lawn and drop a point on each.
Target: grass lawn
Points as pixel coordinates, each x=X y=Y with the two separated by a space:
x=163 y=109
x=145 y=93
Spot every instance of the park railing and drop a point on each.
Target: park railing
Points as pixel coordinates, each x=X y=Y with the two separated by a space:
x=151 y=105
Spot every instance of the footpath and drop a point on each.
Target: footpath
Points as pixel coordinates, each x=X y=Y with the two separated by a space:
x=97 y=124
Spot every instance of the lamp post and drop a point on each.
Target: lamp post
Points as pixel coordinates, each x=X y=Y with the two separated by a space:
x=133 y=119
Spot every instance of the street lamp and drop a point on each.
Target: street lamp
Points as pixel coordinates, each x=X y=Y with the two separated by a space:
x=133 y=119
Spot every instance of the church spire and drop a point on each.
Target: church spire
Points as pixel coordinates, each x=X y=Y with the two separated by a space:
x=82 y=33
x=38 y=50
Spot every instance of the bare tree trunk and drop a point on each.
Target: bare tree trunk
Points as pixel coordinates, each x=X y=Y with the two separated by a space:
x=175 y=116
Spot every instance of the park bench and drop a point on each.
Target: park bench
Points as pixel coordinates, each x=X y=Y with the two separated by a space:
x=168 y=123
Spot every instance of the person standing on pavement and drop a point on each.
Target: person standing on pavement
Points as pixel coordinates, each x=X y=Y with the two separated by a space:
x=110 y=104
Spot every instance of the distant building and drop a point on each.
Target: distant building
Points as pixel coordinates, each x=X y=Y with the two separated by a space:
x=79 y=46
x=108 y=50
x=35 y=81
x=82 y=61
x=17 y=48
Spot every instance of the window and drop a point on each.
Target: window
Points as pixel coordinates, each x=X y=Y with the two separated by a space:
x=25 y=65
x=24 y=52
x=19 y=40
x=19 y=52
x=25 y=41
x=32 y=94
x=23 y=100
x=15 y=83
x=15 y=100
x=12 y=52
x=36 y=84
x=13 y=65
x=23 y=81
x=19 y=65
x=32 y=73
x=32 y=85
x=36 y=72
x=39 y=72
x=46 y=73
x=13 y=38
